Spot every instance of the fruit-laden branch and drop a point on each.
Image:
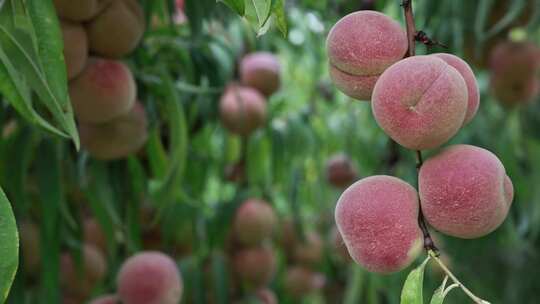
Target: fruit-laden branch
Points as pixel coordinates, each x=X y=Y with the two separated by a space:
x=429 y=245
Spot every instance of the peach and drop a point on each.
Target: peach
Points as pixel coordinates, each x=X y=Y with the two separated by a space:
x=378 y=219
x=117 y=138
x=242 y=109
x=255 y=266
x=514 y=72
x=260 y=70
x=473 y=93
x=254 y=222
x=117 y=30
x=360 y=47
x=92 y=271
x=107 y=299
x=75 y=47
x=79 y=10
x=420 y=102
x=310 y=252
x=104 y=90
x=149 y=277
x=464 y=191
x=300 y=281
x=340 y=171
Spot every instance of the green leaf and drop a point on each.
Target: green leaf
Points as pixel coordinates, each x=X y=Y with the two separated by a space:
x=278 y=11
x=441 y=292
x=257 y=13
x=235 y=5
x=412 y=289
x=9 y=247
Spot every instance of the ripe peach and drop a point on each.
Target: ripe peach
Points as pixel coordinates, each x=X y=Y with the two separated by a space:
x=79 y=10
x=104 y=90
x=360 y=47
x=107 y=299
x=117 y=30
x=340 y=171
x=300 y=281
x=310 y=252
x=464 y=191
x=94 y=235
x=260 y=70
x=75 y=47
x=473 y=93
x=255 y=266
x=93 y=270
x=117 y=138
x=378 y=219
x=149 y=277
x=242 y=109
x=514 y=72
x=254 y=222
x=420 y=102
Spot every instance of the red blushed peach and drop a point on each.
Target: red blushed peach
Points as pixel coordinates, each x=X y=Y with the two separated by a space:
x=464 y=191
x=360 y=47
x=149 y=277
x=378 y=219
x=260 y=70
x=255 y=266
x=254 y=222
x=473 y=100
x=242 y=109
x=514 y=72
x=340 y=171
x=81 y=283
x=420 y=102
x=117 y=138
x=75 y=47
x=104 y=90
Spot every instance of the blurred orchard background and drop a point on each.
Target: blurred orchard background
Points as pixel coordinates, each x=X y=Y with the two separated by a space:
x=171 y=173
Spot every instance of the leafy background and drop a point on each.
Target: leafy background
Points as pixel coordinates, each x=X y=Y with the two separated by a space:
x=181 y=71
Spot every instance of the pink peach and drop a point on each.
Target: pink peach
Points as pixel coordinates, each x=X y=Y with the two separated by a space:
x=254 y=222
x=260 y=70
x=242 y=109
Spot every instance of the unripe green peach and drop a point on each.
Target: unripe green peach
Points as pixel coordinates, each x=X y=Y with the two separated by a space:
x=107 y=299
x=254 y=222
x=260 y=70
x=79 y=10
x=340 y=171
x=420 y=102
x=104 y=90
x=255 y=266
x=473 y=93
x=464 y=191
x=514 y=72
x=242 y=109
x=360 y=47
x=75 y=47
x=310 y=252
x=117 y=30
x=300 y=281
x=117 y=138
x=378 y=219
x=149 y=277
x=93 y=270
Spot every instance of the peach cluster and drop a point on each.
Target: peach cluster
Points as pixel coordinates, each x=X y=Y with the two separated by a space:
x=421 y=102
x=102 y=89
x=243 y=105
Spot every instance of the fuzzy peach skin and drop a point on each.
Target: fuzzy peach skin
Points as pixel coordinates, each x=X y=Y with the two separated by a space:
x=464 y=191
x=360 y=47
x=473 y=93
x=378 y=219
x=149 y=277
x=75 y=47
x=117 y=138
x=254 y=222
x=104 y=90
x=118 y=30
x=420 y=102
x=514 y=73
x=255 y=266
x=260 y=70
x=242 y=109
